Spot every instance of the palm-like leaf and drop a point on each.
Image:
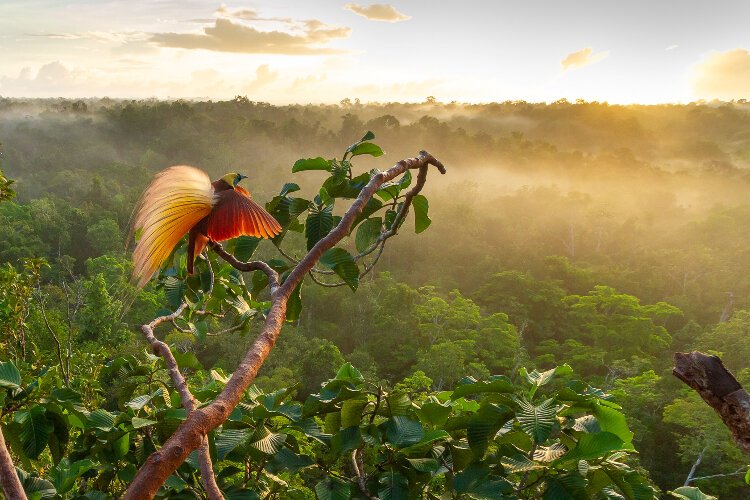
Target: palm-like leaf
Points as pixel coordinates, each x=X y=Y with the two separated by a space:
x=537 y=420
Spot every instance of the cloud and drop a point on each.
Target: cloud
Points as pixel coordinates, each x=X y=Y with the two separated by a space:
x=227 y=36
x=264 y=75
x=722 y=75
x=377 y=12
x=672 y=47
x=247 y=15
x=582 y=58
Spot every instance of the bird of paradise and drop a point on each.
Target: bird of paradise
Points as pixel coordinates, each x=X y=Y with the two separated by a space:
x=182 y=199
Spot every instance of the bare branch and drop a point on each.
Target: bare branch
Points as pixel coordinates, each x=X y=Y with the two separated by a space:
x=188 y=400
x=708 y=376
x=191 y=433
x=256 y=265
x=9 y=479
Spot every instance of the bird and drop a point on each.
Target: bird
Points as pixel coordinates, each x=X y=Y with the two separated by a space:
x=182 y=199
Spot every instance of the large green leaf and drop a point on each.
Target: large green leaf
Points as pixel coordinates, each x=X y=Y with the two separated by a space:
x=367 y=148
x=611 y=420
x=342 y=263
x=228 y=440
x=393 y=486
x=332 y=488
x=318 y=224
x=35 y=487
x=266 y=441
x=245 y=246
x=346 y=440
x=402 y=431
x=35 y=430
x=311 y=164
x=690 y=493
x=537 y=420
x=372 y=206
x=367 y=233
x=593 y=446
x=64 y=475
x=10 y=377
x=174 y=290
x=421 y=220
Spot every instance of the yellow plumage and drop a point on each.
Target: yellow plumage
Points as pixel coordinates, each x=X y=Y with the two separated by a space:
x=177 y=199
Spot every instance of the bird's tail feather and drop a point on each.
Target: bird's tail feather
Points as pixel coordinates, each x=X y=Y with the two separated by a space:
x=175 y=201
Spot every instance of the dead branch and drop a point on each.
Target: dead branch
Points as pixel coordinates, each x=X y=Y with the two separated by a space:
x=188 y=400
x=708 y=376
x=9 y=479
x=191 y=433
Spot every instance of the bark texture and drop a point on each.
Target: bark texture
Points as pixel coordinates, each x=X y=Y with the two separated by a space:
x=708 y=376
x=9 y=480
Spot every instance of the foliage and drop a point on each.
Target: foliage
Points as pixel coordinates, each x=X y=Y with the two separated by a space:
x=552 y=436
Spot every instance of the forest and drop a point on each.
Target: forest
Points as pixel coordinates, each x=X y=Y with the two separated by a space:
x=514 y=339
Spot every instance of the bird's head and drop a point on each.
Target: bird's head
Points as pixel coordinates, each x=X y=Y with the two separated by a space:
x=233 y=178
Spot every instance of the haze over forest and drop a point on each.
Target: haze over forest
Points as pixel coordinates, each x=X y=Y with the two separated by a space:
x=477 y=236
x=610 y=236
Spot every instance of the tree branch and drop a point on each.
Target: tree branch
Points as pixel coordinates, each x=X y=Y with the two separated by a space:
x=8 y=476
x=190 y=434
x=708 y=376
x=188 y=400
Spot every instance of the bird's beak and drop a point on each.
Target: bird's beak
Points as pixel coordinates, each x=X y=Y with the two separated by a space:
x=243 y=177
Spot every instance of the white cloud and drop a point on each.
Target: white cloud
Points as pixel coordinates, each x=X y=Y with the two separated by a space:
x=377 y=12
x=722 y=75
x=582 y=58
x=228 y=36
x=672 y=47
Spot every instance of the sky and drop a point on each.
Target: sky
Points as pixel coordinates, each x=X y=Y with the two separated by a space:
x=300 y=51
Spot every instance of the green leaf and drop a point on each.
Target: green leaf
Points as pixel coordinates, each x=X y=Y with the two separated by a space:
x=64 y=475
x=121 y=446
x=245 y=246
x=311 y=164
x=101 y=419
x=393 y=486
x=434 y=414
x=10 y=377
x=351 y=411
x=421 y=220
x=294 y=304
x=496 y=383
x=318 y=224
x=402 y=431
x=691 y=493
x=332 y=488
x=35 y=430
x=228 y=440
x=35 y=487
x=342 y=263
x=289 y=187
x=372 y=206
x=593 y=446
x=139 y=422
x=611 y=420
x=367 y=148
x=267 y=442
x=174 y=290
x=537 y=420
x=346 y=440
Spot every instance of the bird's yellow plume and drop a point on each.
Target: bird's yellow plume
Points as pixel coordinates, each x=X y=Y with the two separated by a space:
x=175 y=201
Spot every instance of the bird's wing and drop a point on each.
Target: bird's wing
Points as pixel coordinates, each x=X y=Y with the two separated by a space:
x=175 y=201
x=236 y=214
